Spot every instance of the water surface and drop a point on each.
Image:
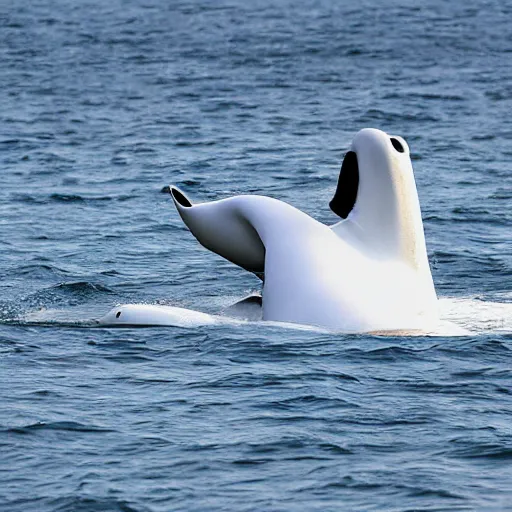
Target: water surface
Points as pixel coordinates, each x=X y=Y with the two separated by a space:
x=104 y=104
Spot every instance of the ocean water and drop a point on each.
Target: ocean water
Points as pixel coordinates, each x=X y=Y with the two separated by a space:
x=102 y=105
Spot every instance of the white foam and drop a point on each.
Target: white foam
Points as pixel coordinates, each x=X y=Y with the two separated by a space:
x=475 y=315
x=459 y=316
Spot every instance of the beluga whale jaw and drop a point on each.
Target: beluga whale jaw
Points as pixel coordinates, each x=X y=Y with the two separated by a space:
x=369 y=272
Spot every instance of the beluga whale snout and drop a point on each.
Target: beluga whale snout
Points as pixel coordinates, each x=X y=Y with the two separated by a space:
x=368 y=272
x=379 y=154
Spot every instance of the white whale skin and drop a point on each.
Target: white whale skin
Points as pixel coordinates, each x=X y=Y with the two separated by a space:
x=368 y=272
x=129 y=315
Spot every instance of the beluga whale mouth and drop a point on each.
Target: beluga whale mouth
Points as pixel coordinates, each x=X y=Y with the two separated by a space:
x=368 y=272
x=376 y=162
x=348 y=183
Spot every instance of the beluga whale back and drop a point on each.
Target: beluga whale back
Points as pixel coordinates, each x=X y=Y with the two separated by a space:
x=368 y=272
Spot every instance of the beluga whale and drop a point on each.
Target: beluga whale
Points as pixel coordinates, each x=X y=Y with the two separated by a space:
x=369 y=272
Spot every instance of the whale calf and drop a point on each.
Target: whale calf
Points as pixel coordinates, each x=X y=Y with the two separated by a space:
x=145 y=315
x=368 y=272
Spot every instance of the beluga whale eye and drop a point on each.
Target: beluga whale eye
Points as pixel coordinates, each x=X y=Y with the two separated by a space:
x=118 y=314
x=348 y=184
x=397 y=145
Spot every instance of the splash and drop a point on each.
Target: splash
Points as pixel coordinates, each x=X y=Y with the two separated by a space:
x=459 y=316
x=477 y=316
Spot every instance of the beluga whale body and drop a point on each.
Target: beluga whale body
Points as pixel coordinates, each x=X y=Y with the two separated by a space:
x=368 y=272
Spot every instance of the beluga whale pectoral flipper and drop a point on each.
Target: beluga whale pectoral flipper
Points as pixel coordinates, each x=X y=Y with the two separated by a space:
x=368 y=272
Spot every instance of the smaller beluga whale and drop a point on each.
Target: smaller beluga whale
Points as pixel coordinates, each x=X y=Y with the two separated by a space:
x=369 y=272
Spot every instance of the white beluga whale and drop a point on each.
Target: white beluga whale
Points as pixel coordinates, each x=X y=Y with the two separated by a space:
x=369 y=272
x=129 y=315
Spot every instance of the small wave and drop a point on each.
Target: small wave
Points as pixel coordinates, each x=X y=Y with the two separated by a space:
x=67 y=198
x=83 y=287
x=35 y=271
x=374 y=114
x=310 y=401
x=482 y=451
x=74 y=198
x=8 y=144
x=93 y=504
x=72 y=426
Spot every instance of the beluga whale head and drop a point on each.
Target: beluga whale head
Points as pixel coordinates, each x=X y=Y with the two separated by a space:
x=367 y=272
x=377 y=195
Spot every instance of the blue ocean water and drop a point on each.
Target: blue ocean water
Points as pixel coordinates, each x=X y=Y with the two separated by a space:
x=103 y=104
